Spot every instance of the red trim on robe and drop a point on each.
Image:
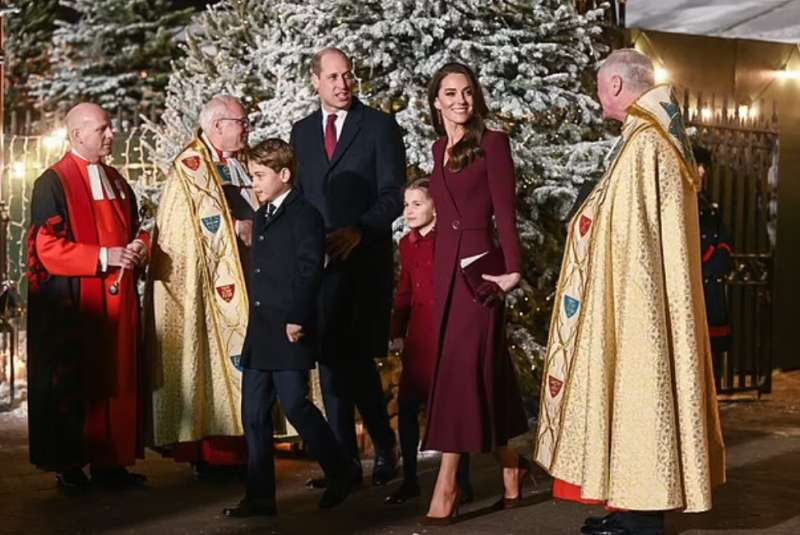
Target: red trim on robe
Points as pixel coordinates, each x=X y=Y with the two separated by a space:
x=572 y=493
x=716 y=332
x=216 y=451
x=709 y=254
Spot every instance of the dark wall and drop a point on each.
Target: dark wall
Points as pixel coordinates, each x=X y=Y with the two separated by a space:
x=745 y=70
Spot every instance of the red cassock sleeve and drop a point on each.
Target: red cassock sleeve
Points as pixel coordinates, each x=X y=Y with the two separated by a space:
x=66 y=258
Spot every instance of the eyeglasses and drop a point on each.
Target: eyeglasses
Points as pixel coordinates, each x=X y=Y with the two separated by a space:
x=244 y=121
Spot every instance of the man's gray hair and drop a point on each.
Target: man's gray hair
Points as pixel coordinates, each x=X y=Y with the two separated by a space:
x=634 y=67
x=214 y=109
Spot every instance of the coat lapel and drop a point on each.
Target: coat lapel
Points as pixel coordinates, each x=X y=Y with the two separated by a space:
x=438 y=153
x=352 y=124
x=263 y=223
x=318 y=133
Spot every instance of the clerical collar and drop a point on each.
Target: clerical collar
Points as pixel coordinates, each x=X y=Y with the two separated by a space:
x=218 y=156
x=98 y=180
x=85 y=160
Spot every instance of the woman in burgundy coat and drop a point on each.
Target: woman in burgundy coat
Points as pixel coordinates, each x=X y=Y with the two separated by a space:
x=474 y=403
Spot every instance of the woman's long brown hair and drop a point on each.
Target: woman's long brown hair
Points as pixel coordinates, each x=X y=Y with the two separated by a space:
x=468 y=148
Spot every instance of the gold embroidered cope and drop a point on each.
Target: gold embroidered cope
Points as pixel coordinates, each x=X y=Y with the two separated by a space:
x=629 y=409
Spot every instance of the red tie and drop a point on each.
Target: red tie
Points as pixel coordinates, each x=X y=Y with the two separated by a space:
x=330 y=135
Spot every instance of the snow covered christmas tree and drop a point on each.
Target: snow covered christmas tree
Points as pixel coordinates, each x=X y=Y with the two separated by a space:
x=534 y=58
x=117 y=53
x=30 y=25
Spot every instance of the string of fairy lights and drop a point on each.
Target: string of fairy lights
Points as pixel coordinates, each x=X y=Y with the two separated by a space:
x=28 y=156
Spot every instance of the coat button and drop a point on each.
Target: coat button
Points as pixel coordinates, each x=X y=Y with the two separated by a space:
x=703 y=237
x=258 y=303
x=705 y=281
x=456 y=224
x=258 y=270
x=261 y=238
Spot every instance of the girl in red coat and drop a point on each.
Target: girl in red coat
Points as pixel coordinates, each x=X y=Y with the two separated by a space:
x=413 y=335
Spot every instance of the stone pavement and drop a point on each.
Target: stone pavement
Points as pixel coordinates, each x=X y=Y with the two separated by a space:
x=762 y=495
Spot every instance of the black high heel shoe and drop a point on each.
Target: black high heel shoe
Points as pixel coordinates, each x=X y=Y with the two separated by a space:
x=525 y=473
x=444 y=520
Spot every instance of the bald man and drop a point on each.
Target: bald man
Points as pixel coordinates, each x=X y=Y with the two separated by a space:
x=629 y=414
x=84 y=395
x=199 y=305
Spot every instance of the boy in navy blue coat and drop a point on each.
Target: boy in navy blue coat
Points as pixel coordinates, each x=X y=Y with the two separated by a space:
x=285 y=273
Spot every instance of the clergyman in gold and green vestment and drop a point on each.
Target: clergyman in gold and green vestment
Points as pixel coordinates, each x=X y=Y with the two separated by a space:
x=629 y=416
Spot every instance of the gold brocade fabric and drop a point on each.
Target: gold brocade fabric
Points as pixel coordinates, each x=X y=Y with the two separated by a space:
x=199 y=306
x=629 y=411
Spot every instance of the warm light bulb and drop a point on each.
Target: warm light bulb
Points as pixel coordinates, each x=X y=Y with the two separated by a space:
x=18 y=169
x=55 y=139
x=788 y=75
x=662 y=75
x=706 y=113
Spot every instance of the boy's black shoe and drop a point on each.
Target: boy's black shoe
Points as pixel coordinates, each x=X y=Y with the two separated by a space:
x=247 y=508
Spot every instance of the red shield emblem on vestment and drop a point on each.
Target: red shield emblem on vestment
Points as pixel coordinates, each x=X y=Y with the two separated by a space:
x=584 y=225
x=193 y=162
x=226 y=292
x=554 y=385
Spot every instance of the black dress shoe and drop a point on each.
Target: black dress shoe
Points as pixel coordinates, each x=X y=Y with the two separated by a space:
x=322 y=482
x=385 y=469
x=620 y=530
x=608 y=520
x=72 y=479
x=247 y=508
x=625 y=523
x=406 y=492
x=117 y=477
x=340 y=486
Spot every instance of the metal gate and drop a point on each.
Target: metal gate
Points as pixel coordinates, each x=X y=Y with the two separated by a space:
x=744 y=142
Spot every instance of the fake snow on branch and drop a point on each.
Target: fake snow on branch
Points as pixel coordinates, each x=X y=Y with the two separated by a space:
x=533 y=58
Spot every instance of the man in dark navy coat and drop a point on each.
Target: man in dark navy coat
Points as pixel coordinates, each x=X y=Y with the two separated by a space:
x=279 y=349
x=352 y=169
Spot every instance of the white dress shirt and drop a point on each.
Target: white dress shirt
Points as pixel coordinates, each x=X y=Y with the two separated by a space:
x=341 y=115
x=279 y=200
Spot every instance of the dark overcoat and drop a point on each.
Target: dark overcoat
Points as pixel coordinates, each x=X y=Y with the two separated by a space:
x=286 y=262
x=361 y=186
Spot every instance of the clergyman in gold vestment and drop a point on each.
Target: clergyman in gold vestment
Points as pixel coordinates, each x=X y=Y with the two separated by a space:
x=198 y=298
x=629 y=416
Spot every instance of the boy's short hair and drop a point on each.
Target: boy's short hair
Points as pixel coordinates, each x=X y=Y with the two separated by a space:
x=274 y=153
x=423 y=184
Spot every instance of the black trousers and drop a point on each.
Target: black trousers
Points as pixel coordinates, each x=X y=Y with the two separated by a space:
x=642 y=521
x=350 y=384
x=408 y=426
x=260 y=389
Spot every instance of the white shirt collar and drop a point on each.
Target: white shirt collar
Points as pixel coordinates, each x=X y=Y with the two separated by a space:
x=279 y=200
x=341 y=115
x=79 y=155
x=211 y=148
x=98 y=181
